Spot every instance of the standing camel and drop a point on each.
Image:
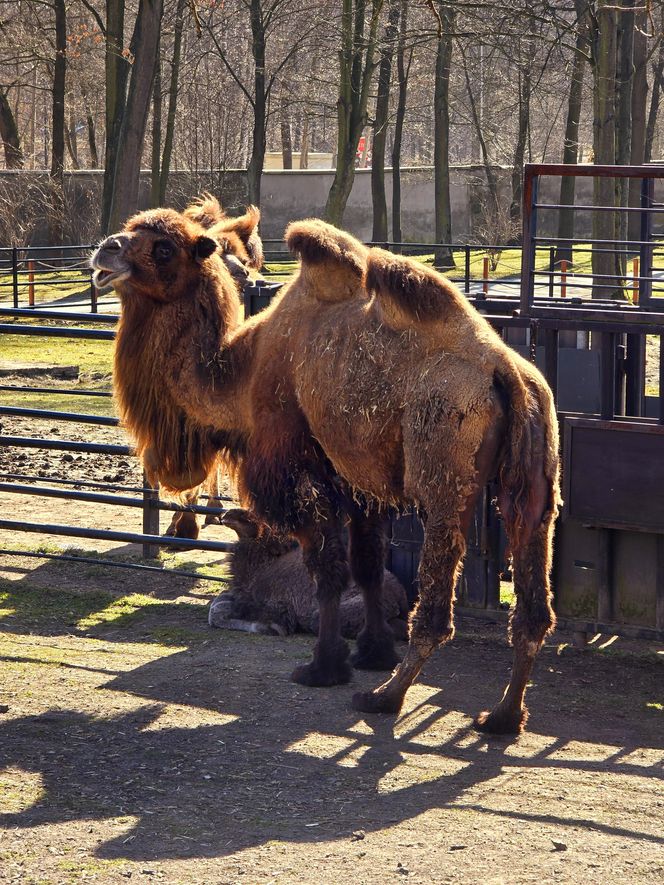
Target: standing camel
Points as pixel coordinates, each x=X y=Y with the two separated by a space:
x=241 y=249
x=370 y=381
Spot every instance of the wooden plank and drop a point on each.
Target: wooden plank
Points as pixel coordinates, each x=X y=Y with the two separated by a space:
x=614 y=474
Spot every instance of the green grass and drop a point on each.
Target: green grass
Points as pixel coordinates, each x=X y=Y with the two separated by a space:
x=55 y=610
x=90 y=356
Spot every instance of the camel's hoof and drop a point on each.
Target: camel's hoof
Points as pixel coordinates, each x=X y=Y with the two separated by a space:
x=501 y=721
x=376 y=702
x=325 y=669
x=375 y=653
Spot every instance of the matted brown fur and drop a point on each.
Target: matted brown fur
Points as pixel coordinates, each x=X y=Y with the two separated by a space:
x=369 y=382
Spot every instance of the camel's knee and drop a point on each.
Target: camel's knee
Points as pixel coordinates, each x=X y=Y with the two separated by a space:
x=431 y=624
x=532 y=620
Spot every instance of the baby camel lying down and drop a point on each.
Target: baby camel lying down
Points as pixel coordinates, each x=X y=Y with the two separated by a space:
x=271 y=590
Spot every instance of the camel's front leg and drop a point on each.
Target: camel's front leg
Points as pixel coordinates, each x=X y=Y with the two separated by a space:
x=375 y=643
x=325 y=557
x=184 y=523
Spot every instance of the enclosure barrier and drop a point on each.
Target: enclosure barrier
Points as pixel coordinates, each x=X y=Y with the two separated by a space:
x=618 y=419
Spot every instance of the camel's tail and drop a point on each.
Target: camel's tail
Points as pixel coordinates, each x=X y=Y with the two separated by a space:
x=528 y=476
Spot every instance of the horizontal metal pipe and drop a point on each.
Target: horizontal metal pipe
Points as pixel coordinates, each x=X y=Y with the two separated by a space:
x=41 y=313
x=60 y=391
x=71 y=531
x=92 y=560
x=66 y=445
x=579 y=246
x=584 y=208
x=116 y=500
x=101 y=420
x=57 y=331
x=26 y=477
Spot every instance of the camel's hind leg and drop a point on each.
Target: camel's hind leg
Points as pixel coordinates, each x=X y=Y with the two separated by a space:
x=431 y=622
x=449 y=518
x=532 y=617
x=375 y=643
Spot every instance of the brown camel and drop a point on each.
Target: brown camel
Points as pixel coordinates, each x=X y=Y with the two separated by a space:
x=368 y=382
x=242 y=251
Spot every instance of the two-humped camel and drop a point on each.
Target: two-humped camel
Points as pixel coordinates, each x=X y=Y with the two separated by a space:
x=368 y=382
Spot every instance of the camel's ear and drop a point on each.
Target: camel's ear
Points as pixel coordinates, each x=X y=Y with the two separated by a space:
x=408 y=290
x=206 y=210
x=317 y=242
x=242 y=523
x=204 y=247
x=246 y=227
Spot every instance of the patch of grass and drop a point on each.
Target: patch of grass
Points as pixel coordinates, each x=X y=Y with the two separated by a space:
x=89 y=356
x=59 y=402
x=506 y=593
x=52 y=611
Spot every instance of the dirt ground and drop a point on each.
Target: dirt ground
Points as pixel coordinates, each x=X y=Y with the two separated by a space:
x=137 y=744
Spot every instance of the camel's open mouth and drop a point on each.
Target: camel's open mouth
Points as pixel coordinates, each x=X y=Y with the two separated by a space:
x=103 y=278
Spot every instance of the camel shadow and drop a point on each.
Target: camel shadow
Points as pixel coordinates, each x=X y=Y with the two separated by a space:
x=224 y=753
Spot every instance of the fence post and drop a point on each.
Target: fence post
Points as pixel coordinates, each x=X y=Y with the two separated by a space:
x=93 y=293
x=563 y=278
x=635 y=284
x=15 y=275
x=31 y=283
x=552 y=267
x=150 y=517
x=485 y=276
x=467 y=270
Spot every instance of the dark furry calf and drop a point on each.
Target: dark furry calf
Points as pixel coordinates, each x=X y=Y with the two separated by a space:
x=272 y=592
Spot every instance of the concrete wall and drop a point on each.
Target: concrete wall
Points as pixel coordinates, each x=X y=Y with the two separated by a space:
x=286 y=195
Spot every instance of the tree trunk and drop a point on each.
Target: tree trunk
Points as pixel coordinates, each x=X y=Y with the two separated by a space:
x=571 y=144
x=172 y=102
x=304 y=143
x=402 y=94
x=9 y=134
x=92 y=139
x=525 y=86
x=117 y=69
x=355 y=70
x=132 y=134
x=493 y=208
x=639 y=97
x=286 y=139
x=155 y=163
x=56 y=219
x=443 y=256
x=657 y=84
x=624 y=80
x=257 y=161
x=378 y=197
x=58 y=94
x=604 y=265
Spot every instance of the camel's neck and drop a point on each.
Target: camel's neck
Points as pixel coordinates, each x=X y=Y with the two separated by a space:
x=178 y=375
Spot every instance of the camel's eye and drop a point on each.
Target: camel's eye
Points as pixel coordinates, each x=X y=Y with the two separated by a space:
x=163 y=251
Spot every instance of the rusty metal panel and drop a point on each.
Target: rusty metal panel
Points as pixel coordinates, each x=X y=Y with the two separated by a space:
x=614 y=474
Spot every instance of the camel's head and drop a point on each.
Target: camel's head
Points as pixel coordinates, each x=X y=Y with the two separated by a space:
x=240 y=242
x=159 y=255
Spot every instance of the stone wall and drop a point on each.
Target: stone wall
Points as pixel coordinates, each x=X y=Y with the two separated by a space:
x=286 y=195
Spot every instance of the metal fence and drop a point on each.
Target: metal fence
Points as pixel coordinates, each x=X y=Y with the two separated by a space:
x=35 y=276
x=144 y=498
